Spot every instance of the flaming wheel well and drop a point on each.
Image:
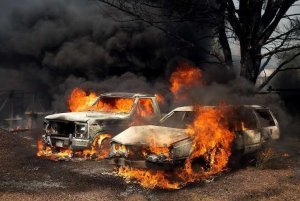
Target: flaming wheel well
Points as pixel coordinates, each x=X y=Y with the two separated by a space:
x=100 y=146
x=209 y=159
x=101 y=141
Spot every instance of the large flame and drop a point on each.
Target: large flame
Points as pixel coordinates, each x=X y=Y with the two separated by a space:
x=114 y=105
x=212 y=141
x=79 y=100
x=185 y=77
x=160 y=99
x=154 y=149
x=146 y=107
x=99 y=150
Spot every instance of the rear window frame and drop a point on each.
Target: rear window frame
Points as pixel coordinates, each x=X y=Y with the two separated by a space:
x=260 y=118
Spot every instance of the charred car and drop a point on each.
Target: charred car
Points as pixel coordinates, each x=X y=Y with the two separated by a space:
x=110 y=114
x=132 y=147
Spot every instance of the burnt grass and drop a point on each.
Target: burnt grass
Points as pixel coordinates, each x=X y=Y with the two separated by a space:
x=23 y=176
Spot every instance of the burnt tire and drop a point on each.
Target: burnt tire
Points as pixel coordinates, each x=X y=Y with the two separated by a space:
x=200 y=164
x=207 y=161
x=101 y=147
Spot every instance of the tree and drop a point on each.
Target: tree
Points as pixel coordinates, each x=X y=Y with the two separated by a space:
x=253 y=23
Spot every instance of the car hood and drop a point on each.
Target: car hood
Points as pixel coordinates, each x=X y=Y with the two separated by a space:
x=150 y=135
x=85 y=116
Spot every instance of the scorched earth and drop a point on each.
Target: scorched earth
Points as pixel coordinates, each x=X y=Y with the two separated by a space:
x=26 y=177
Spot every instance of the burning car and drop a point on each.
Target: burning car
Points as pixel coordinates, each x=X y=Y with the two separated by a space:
x=110 y=114
x=170 y=144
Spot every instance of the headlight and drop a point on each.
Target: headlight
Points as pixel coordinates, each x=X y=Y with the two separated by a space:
x=80 y=130
x=50 y=128
x=119 y=150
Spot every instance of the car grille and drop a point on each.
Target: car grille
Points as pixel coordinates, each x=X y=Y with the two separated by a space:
x=64 y=128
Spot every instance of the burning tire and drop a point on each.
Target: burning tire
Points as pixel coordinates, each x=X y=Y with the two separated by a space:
x=208 y=160
x=101 y=146
x=200 y=164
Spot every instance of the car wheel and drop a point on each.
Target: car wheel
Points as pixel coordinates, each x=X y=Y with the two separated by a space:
x=200 y=164
x=205 y=163
x=101 y=146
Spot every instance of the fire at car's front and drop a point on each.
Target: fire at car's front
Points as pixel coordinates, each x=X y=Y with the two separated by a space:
x=141 y=147
x=139 y=157
x=75 y=133
x=66 y=134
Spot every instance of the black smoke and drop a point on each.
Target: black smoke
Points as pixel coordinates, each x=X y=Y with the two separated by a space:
x=51 y=46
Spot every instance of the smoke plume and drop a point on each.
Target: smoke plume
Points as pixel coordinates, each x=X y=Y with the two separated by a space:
x=52 y=46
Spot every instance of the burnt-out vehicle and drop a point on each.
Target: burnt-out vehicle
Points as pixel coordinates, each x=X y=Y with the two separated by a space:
x=131 y=147
x=109 y=115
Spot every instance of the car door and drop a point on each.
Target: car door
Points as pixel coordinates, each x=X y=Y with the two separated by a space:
x=251 y=134
x=268 y=124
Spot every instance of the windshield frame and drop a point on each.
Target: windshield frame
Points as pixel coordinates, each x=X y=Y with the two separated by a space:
x=115 y=97
x=180 y=123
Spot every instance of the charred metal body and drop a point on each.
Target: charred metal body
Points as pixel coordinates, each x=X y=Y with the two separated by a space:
x=78 y=130
x=259 y=126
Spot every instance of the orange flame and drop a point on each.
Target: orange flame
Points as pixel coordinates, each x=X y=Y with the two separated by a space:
x=149 y=178
x=146 y=107
x=40 y=149
x=184 y=78
x=160 y=99
x=154 y=149
x=80 y=101
x=114 y=105
x=212 y=141
x=99 y=150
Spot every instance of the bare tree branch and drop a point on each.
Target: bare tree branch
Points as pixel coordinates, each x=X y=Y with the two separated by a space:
x=276 y=71
x=291 y=68
x=125 y=9
x=254 y=23
x=279 y=49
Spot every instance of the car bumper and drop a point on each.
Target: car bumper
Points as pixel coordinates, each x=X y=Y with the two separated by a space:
x=130 y=163
x=143 y=164
x=66 y=142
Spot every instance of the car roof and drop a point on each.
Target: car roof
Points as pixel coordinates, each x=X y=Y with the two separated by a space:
x=191 y=108
x=125 y=95
x=188 y=108
x=183 y=109
x=255 y=106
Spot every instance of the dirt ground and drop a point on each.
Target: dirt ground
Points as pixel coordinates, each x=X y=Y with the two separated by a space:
x=23 y=176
